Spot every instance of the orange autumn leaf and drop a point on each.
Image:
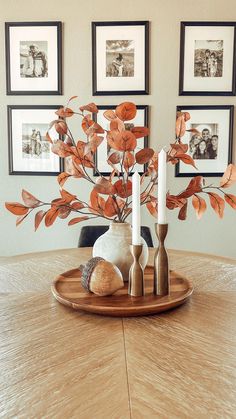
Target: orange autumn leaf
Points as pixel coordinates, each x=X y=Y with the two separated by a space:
x=173 y=201
x=152 y=208
x=185 y=158
x=231 y=200
x=38 y=218
x=186 y=116
x=114 y=158
x=97 y=203
x=117 y=125
x=104 y=186
x=64 y=112
x=87 y=122
x=62 y=178
x=195 y=185
x=77 y=220
x=29 y=199
x=92 y=144
x=61 y=127
x=140 y=132
x=61 y=149
x=67 y=196
x=125 y=141
x=77 y=205
x=63 y=212
x=123 y=189
x=129 y=160
x=229 y=177
x=91 y=107
x=199 y=204
x=180 y=126
x=109 y=114
x=183 y=212
x=126 y=111
x=110 y=207
x=72 y=98
x=143 y=156
x=178 y=148
x=48 y=138
x=16 y=208
x=217 y=203
x=51 y=216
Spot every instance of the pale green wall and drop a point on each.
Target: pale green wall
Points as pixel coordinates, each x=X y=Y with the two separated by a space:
x=210 y=235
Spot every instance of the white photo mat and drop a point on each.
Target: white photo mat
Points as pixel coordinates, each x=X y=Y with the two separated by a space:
x=31 y=116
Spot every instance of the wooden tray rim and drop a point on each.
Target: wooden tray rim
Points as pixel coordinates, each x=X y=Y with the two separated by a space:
x=144 y=309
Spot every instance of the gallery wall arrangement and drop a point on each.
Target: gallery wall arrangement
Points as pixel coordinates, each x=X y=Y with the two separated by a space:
x=120 y=66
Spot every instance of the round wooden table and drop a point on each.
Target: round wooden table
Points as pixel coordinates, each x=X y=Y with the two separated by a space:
x=61 y=363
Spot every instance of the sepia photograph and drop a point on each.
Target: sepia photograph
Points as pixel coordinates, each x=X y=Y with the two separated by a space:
x=34 y=142
x=33 y=59
x=209 y=136
x=204 y=144
x=208 y=58
x=120 y=58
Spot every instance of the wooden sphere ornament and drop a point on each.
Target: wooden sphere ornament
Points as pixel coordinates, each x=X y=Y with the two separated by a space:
x=101 y=277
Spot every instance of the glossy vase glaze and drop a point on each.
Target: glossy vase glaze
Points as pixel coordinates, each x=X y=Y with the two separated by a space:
x=114 y=247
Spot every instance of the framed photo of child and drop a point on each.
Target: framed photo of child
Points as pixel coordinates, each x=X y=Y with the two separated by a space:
x=209 y=136
x=33 y=58
x=207 y=59
x=120 y=57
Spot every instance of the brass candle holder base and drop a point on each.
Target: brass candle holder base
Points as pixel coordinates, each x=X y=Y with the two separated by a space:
x=136 y=278
x=161 y=266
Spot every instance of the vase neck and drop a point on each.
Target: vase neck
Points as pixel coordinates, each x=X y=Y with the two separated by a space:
x=120 y=228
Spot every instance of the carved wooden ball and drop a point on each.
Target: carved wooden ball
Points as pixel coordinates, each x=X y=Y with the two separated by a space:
x=101 y=277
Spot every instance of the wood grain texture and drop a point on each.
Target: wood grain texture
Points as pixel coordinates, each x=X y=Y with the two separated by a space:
x=181 y=364
x=67 y=289
x=59 y=363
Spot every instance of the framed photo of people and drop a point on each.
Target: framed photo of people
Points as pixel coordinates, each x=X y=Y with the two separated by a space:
x=33 y=58
x=207 y=59
x=104 y=150
x=120 y=55
x=29 y=150
x=210 y=144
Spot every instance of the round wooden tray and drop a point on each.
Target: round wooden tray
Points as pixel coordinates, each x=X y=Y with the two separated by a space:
x=67 y=290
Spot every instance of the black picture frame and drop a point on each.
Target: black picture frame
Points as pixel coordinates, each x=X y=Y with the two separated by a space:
x=230 y=108
x=9 y=89
x=144 y=90
x=145 y=109
x=12 y=171
x=182 y=60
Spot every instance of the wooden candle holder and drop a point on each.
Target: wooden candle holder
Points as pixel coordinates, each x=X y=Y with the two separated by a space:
x=136 y=277
x=161 y=265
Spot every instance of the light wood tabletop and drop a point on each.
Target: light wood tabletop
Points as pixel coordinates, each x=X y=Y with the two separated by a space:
x=60 y=363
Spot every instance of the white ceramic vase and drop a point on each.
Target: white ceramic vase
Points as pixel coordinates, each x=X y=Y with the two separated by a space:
x=113 y=246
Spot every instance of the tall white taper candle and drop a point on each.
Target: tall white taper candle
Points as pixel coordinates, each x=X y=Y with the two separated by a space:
x=136 y=236
x=162 y=187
